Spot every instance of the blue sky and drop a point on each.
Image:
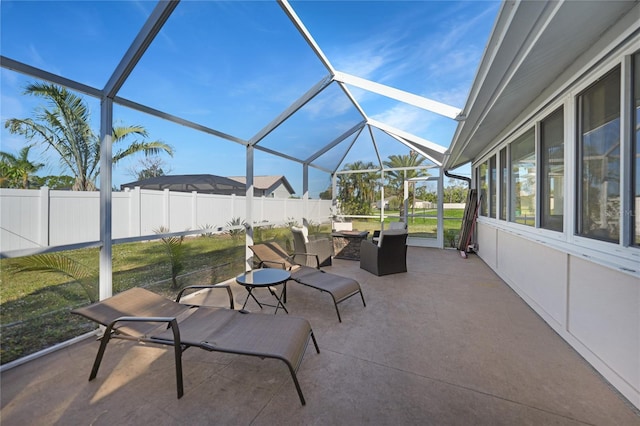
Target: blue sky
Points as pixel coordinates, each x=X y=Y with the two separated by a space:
x=234 y=66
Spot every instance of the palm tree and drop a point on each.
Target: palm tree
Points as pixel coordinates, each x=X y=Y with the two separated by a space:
x=17 y=172
x=396 y=178
x=63 y=125
x=357 y=190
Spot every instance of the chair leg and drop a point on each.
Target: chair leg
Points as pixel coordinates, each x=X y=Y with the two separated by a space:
x=315 y=343
x=103 y=346
x=362 y=296
x=177 y=352
x=337 y=311
x=295 y=381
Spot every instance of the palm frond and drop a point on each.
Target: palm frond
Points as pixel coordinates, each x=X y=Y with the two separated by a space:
x=60 y=264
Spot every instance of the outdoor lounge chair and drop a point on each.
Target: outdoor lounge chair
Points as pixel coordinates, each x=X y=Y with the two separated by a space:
x=340 y=288
x=140 y=315
x=321 y=248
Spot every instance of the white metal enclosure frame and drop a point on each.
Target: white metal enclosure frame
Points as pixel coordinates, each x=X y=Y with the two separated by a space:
x=108 y=96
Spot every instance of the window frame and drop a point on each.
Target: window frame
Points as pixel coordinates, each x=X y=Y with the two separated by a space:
x=544 y=170
x=579 y=164
x=529 y=133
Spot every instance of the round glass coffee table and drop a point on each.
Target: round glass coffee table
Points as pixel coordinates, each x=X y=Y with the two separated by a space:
x=265 y=278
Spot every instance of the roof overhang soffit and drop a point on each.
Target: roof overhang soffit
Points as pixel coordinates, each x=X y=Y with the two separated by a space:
x=495 y=72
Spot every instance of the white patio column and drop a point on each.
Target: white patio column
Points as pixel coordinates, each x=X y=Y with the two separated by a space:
x=106 y=159
x=382 y=199
x=440 y=229
x=249 y=208
x=305 y=191
x=405 y=201
x=334 y=196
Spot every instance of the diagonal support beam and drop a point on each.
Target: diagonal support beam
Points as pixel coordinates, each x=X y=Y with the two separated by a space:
x=432 y=151
x=399 y=95
x=299 y=103
x=335 y=142
x=286 y=7
x=140 y=45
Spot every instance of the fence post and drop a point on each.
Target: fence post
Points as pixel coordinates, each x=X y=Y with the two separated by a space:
x=233 y=206
x=194 y=209
x=43 y=234
x=135 y=212
x=166 y=213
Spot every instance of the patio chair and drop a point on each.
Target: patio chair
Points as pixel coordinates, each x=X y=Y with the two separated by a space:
x=340 y=288
x=140 y=315
x=321 y=248
x=392 y=225
x=388 y=255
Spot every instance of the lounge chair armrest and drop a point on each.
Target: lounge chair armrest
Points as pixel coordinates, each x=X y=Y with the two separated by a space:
x=172 y=323
x=308 y=255
x=263 y=262
x=223 y=286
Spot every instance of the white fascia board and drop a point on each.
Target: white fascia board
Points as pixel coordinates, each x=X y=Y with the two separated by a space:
x=399 y=95
x=284 y=4
x=502 y=35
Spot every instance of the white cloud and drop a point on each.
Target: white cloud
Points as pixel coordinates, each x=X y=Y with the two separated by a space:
x=404 y=117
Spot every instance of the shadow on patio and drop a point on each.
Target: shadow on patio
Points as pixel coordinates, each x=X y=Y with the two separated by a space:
x=446 y=343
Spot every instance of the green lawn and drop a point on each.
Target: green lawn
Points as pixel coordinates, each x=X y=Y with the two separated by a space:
x=34 y=306
x=422 y=222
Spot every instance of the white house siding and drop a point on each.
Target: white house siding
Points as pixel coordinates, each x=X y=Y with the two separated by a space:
x=280 y=192
x=586 y=290
x=595 y=308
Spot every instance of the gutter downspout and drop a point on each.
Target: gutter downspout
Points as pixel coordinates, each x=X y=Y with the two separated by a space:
x=451 y=175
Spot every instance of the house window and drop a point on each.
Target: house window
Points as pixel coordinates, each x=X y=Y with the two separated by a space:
x=492 y=186
x=523 y=180
x=483 y=181
x=552 y=163
x=635 y=175
x=504 y=175
x=599 y=160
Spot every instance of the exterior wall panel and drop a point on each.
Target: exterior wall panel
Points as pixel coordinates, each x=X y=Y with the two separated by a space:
x=594 y=308
x=604 y=314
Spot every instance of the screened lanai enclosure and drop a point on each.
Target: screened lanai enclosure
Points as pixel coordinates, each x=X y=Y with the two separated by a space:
x=228 y=89
x=371 y=112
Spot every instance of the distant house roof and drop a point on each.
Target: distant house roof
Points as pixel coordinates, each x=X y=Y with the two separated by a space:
x=266 y=183
x=210 y=184
x=205 y=184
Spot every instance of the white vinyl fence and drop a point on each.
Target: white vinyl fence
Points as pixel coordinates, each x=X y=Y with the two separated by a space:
x=31 y=219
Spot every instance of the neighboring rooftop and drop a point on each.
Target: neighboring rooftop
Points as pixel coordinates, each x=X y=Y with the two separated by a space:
x=212 y=184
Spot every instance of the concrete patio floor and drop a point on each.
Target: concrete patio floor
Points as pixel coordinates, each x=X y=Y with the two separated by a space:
x=447 y=343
